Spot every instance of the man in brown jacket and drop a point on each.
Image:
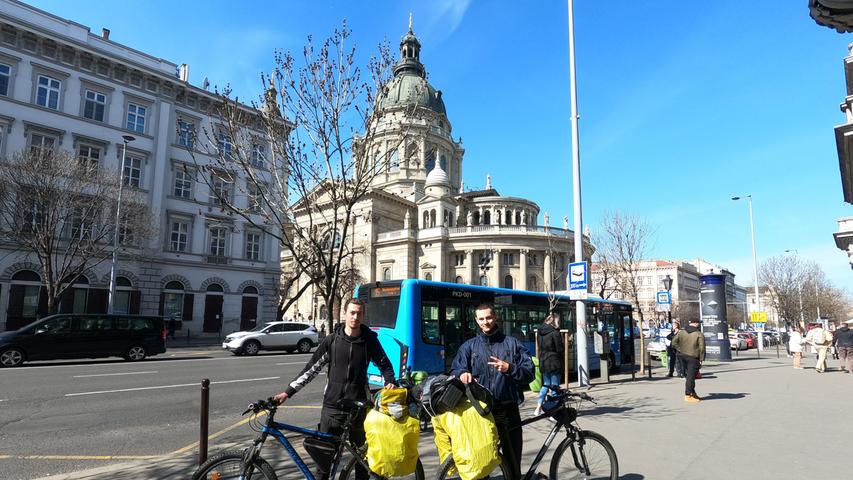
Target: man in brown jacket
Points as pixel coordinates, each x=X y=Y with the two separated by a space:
x=690 y=345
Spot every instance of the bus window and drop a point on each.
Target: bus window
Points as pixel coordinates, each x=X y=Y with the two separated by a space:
x=429 y=323
x=453 y=333
x=382 y=312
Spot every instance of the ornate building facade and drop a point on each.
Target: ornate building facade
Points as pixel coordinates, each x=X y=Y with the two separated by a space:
x=418 y=221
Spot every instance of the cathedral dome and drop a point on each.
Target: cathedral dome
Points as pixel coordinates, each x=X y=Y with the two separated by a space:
x=409 y=86
x=437 y=177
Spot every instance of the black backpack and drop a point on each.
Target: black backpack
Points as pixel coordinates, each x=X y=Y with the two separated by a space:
x=442 y=393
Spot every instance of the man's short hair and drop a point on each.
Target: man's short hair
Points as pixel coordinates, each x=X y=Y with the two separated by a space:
x=693 y=320
x=354 y=301
x=486 y=306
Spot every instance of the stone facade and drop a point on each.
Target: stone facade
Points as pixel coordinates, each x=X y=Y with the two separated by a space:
x=79 y=90
x=420 y=222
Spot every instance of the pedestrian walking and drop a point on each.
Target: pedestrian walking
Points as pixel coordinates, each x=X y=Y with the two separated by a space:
x=550 y=356
x=502 y=364
x=671 y=354
x=322 y=334
x=795 y=346
x=690 y=345
x=844 y=343
x=345 y=353
x=819 y=338
x=785 y=338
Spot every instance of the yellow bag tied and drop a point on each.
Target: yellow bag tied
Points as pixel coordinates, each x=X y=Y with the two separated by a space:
x=472 y=438
x=392 y=444
x=394 y=402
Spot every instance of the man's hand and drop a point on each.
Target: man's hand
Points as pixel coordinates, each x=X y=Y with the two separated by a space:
x=499 y=364
x=389 y=386
x=466 y=378
x=280 y=398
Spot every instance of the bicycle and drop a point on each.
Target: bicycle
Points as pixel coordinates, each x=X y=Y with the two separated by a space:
x=248 y=464
x=588 y=454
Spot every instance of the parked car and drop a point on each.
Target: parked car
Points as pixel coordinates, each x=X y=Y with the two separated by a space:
x=737 y=343
x=656 y=348
x=60 y=336
x=288 y=336
x=749 y=338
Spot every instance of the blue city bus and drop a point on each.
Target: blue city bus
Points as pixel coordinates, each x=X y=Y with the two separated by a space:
x=422 y=323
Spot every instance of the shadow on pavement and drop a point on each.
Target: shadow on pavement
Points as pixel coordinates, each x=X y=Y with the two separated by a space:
x=632 y=476
x=754 y=368
x=724 y=396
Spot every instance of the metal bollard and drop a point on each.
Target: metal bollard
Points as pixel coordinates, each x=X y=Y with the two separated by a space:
x=777 y=349
x=188 y=336
x=203 y=421
x=649 y=364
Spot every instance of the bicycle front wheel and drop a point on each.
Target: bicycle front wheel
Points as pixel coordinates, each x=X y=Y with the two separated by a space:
x=590 y=451
x=349 y=471
x=448 y=471
x=229 y=465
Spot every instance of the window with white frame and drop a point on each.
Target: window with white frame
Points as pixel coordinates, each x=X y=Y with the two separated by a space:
x=5 y=79
x=459 y=259
x=218 y=239
x=220 y=190
x=88 y=156
x=259 y=155
x=47 y=92
x=136 y=117
x=186 y=134
x=179 y=235
x=509 y=259
x=94 y=105
x=253 y=245
x=183 y=183
x=253 y=198
x=225 y=146
x=132 y=172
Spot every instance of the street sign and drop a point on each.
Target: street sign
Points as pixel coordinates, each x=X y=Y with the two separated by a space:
x=758 y=317
x=578 y=281
x=664 y=298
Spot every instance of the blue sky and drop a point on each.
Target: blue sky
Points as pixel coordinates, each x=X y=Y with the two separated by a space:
x=682 y=104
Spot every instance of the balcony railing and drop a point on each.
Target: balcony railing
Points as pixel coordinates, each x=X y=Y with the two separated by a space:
x=217 y=259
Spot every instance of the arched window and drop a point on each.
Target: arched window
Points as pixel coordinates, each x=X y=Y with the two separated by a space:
x=250 y=290
x=518 y=218
x=428 y=276
x=484 y=280
x=173 y=300
x=215 y=288
x=75 y=297
x=508 y=217
x=123 y=292
x=332 y=239
x=23 y=299
x=394 y=161
x=425 y=223
x=386 y=273
x=508 y=281
x=476 y=218
x=26 y=276
x=532 y=284
x=430 y=159
x=487 y=218
x=412 y=155
x=459 y=279
x=432 y=218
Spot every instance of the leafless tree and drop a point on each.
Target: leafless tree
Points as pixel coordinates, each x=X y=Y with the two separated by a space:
x=624 y=241
x=60 y=211
x=297 y=171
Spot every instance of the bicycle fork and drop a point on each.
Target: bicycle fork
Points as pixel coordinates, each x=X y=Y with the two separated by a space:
x=583 y=466
x=531 y=472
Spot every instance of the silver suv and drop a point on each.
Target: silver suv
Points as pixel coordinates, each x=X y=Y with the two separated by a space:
x=288 y=336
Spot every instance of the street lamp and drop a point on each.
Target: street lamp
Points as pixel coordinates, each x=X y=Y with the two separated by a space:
x=667 y=284
x=800 y=292
x=754 y=265
x=112 y=297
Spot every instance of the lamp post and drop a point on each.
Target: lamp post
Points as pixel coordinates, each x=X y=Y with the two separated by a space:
x=754 y=265
x=667 y=284
x=112 y=296
x=799 y=292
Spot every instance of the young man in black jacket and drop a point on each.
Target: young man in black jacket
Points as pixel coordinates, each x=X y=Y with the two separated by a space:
x=347 y=352
x=502 y=365
x=843 y=341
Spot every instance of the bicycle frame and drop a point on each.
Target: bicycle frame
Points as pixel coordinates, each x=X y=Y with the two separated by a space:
x=276 y=429
x=570 y=432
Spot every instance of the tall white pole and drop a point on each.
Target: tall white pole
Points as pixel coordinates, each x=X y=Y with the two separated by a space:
x=755 y=270
x=580 y=325
x=112 y=294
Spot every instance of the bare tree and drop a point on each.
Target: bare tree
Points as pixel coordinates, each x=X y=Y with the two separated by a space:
x=60 y=210
x=297 y=171
x=625 y=240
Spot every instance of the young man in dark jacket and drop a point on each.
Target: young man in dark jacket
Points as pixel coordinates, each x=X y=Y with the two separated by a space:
x=502 y=365
x=690 y=345
x=843 y=341
x=347 y=352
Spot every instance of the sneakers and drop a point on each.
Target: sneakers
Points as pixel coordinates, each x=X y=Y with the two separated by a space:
x=691 y=399
x=538 y=411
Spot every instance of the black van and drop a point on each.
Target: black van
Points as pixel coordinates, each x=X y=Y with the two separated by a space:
x=67 y=335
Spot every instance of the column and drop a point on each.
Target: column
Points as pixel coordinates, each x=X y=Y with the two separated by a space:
x=495 y=271
x=469 y=264
x=522 y=257
x=549 y=280
x=480 y=208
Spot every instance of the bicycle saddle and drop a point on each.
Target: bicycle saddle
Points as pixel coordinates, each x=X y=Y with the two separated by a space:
x=349 y=405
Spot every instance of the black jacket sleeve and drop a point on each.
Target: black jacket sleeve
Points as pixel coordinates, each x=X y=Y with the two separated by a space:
x=314 y=366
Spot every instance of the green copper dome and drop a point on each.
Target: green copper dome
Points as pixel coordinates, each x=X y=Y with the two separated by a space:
x=409 y=86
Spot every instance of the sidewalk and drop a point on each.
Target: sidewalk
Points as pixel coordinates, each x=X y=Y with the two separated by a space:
x=760 y=419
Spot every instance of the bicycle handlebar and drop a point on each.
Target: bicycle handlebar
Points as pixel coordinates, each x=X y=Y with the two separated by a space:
x=260 y=405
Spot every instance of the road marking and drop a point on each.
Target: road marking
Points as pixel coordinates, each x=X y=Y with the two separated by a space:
x=291 y=363
x=112 y=374
x=147 y=362
x=195 y=384
x=80 y=457
x=4 y=400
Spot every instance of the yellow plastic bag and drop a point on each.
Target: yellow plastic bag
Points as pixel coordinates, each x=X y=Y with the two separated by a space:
x=472 y=438
x=394 y=402
x=392 y=444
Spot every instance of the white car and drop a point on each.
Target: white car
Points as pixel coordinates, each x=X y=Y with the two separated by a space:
x=737 y=343
x=288 y=336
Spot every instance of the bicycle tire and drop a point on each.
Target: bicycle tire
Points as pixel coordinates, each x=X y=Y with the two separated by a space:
x=594 y=448
x=448 y=464
x=229 y=465
x=348 y=473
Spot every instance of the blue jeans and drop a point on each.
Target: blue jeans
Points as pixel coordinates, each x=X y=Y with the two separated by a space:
x=548 y=379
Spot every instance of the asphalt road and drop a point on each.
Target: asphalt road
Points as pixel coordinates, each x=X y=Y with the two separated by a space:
x=60 y=417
